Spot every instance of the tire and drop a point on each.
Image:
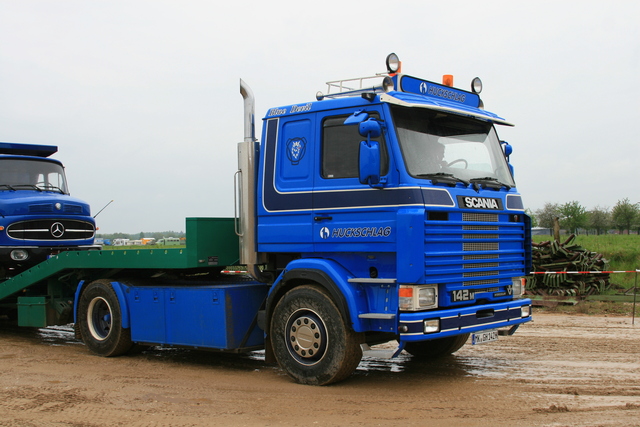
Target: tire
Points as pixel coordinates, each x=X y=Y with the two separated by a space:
x=310 y=340
x=100 y=320
x=434 y=349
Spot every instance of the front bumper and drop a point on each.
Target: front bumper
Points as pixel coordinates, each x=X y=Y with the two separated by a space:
x=464 y=320
x=37 y=254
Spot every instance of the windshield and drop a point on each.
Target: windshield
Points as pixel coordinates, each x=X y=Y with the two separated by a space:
x=450 y=145
x=18 y=174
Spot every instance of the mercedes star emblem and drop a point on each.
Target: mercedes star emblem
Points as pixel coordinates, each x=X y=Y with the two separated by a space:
x=57 y=230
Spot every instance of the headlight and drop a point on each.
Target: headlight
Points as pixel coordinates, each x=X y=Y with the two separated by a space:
x=431 y=326
x=525 y=311
x=415 y=298
x=517 y=285
x=427 y=297
x=19 y=255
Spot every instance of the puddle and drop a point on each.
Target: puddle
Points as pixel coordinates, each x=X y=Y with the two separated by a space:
x=58 y=335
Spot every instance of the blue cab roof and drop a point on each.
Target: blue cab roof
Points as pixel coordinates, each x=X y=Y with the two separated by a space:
x=27 y=149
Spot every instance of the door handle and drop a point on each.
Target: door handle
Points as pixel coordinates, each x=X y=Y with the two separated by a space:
x=322 y=218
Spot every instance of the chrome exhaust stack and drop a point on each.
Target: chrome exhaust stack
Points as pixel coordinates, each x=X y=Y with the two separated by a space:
x=245 y=181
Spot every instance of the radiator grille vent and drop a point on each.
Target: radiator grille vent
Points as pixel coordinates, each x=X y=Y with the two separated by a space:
x=480 y=246
x=480 y=227
x=479 y=274
x=480 y=256
x=479 y=236
x=479 y=217
x=481 y=282
x=485 y=265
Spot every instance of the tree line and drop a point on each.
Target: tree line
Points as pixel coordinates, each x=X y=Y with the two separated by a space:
x=156 y=235
x=572 y=216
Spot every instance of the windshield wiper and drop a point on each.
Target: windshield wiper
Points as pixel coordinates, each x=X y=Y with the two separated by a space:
x=8 y=187
x=49 y=187
x=446 y=178
x=488 y=181
x=29 y=186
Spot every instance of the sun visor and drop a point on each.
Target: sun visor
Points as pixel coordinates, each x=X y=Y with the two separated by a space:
x=417 y=101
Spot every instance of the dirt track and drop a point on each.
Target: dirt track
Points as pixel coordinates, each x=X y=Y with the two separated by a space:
x=558 y=371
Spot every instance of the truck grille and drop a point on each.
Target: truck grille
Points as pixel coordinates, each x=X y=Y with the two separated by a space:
x=51 y=230
x=475 y=251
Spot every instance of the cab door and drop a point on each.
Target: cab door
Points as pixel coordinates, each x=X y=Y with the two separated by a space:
x=349 y=216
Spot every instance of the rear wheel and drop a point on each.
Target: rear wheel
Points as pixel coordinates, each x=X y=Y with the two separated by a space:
x=311 y=342
x=100 y=320
x=440 y=347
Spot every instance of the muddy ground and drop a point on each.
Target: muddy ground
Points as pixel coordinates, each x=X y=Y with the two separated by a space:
x=559 y=370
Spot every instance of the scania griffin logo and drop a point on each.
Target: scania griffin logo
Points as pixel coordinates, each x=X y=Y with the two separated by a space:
x=57 y=230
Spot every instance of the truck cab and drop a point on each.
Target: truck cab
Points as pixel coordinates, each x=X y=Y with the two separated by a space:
x=398 y=202
x=38 y=217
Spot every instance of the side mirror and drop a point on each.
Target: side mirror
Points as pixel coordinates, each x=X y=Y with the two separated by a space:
x=507 y=150
x=370 y=128
x=369 y=162
x=369 y=156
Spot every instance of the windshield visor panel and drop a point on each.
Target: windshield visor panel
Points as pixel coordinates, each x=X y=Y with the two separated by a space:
x=18 y=174
x=440 y=143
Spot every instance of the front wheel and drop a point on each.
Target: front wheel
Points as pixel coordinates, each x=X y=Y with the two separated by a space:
x=434 y=349
x=311 y=342
x=100 y=320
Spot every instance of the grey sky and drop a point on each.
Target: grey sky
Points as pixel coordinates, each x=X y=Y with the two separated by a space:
x=142 y=97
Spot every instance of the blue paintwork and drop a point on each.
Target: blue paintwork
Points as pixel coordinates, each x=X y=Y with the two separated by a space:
x=411 y=230
x=220 y=316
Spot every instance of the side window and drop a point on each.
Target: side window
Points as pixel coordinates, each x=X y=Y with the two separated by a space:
x=340 y=148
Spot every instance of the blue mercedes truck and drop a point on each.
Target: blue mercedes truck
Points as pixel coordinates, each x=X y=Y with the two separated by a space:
x=383 y=211
x=38 y=217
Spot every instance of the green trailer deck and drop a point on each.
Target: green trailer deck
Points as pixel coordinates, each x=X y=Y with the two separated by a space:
x=211 y=243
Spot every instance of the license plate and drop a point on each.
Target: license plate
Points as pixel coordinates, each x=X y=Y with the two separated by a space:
x=483 y=337
x=462 y=295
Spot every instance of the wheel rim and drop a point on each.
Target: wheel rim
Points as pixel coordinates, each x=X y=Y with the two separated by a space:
x=99 y=318
x=306 y=337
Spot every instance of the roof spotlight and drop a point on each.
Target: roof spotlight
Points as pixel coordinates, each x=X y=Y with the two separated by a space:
x=476 y=85
x=393 y=63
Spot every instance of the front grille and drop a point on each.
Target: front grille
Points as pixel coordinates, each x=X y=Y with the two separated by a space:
x=51 y=230
x=477 y=251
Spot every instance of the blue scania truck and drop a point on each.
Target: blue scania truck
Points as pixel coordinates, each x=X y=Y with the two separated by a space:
x=38 y=217
x=383 y=211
